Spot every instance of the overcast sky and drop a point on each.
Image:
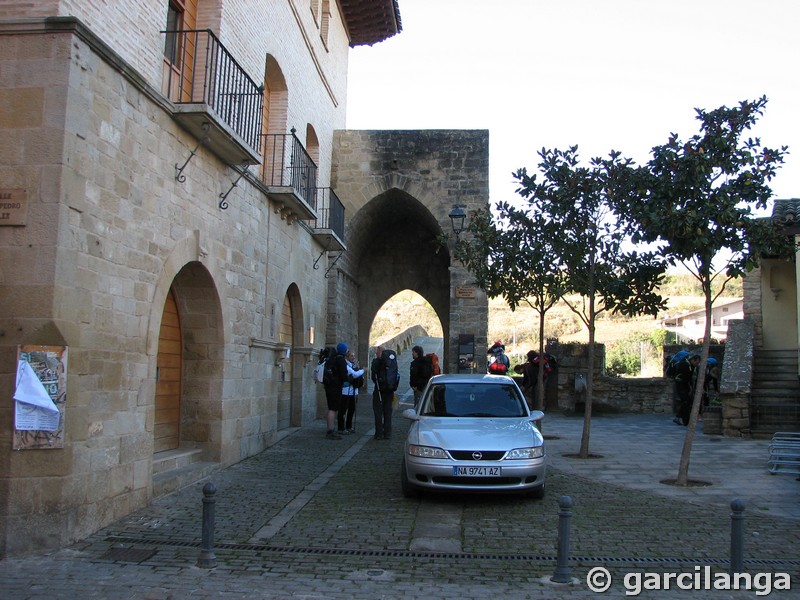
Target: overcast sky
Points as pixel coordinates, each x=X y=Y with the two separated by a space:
x=602 y=74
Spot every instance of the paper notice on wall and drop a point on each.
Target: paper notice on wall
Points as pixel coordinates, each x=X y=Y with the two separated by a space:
x=34 y=409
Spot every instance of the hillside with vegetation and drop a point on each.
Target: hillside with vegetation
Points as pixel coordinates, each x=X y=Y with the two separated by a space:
x=519 y=329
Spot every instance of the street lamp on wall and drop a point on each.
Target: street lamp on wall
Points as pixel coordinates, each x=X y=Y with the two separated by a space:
x=457 y=218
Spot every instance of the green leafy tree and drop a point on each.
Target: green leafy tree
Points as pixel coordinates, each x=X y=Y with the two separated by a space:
x=697 y=199
x=511 y=256
x=577 y=203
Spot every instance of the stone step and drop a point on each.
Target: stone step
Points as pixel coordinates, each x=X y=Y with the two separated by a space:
x=174 y=459
x=173 y=480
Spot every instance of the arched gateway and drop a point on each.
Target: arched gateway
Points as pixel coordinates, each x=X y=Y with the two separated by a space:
x=398 y=188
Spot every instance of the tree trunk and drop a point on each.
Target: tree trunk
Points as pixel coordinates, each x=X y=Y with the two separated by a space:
x=697 y=400
x=587 y=413
x=540 y=400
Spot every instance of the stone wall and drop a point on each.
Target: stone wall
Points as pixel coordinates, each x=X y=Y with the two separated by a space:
x=610 y=394
x=109 y=234
x=398 y=188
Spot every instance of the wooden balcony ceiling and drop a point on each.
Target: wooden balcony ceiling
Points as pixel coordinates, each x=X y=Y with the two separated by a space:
x=371 y=21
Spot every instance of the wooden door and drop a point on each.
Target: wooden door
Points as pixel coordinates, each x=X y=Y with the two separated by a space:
x=166 y=433
x=285 y=390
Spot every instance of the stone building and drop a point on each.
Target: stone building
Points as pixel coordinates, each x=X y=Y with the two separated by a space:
x=182 y=228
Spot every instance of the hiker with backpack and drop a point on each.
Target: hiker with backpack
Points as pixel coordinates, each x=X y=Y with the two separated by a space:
x=386 y=377
x=350 y=387
x=684 y=384
x=499 y=362
x=670 y=371
x=420 y=372
x=335 y=374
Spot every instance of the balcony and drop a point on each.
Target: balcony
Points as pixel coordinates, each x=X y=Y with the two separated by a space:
x=290 y=176
x=215 y=100
x=328 y=228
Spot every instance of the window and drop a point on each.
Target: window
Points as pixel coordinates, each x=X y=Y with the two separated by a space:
x=175 y=12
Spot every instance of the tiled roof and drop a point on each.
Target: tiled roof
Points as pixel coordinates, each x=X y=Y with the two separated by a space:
x=371 y=21
x=787 y=213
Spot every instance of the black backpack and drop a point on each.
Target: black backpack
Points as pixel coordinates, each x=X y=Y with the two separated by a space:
x=388 y=374
x=328 y=377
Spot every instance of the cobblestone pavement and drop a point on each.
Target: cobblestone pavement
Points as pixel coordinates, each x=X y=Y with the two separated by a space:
x=316 y=518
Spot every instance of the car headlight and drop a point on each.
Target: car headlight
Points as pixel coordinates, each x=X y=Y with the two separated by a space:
x=523 y=453
x=427 y=452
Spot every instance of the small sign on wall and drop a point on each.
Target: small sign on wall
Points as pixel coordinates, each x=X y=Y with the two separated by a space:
x=13 y=207
x=40 y=397
x=466 y=291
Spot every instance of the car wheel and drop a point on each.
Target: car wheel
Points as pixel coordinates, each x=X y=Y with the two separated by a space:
x=537 y=492
x=409 y=491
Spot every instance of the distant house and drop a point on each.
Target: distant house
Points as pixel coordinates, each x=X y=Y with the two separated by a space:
x=691 y=325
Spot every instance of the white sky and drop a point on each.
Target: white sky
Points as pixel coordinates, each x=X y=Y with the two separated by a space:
x=602 y=74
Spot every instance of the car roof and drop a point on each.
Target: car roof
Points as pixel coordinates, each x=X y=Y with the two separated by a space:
x=472 y=378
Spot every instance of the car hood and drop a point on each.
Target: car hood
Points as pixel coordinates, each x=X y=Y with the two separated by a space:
x=463 y=433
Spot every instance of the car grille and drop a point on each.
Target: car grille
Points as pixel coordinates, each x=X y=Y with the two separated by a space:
x=471 y=454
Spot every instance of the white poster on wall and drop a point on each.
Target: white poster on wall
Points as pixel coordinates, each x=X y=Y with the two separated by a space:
x=34 y=409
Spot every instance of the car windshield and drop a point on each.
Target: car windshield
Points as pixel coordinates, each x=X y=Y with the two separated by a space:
x=473 y=400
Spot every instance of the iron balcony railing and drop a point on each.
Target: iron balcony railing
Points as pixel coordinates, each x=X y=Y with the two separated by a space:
x=287 y=164
x=331 y=212
x=201 y=71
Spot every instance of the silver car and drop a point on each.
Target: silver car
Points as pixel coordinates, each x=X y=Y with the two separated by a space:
x=473 y=433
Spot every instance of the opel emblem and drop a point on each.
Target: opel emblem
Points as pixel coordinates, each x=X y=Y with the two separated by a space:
x=477 y=456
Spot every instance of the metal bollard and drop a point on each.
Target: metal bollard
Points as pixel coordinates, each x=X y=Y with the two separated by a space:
x=207 y=558
x=562 y=573
x=737 y=536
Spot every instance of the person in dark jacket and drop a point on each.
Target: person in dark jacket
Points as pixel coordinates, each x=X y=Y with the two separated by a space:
x=333 y=389
x=420 y=373
x=381 y=397
x=684 y=386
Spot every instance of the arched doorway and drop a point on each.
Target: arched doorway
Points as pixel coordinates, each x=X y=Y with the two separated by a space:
x=188 y=392
x=289 y=409
x=166 y=429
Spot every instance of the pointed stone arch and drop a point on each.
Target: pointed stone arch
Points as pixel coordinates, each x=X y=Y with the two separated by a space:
x=397 y=212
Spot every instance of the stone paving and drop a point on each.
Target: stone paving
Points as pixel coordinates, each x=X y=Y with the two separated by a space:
x=316 y=518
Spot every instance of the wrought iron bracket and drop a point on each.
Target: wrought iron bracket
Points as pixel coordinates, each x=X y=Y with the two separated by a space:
x=333 y=264
x=223 y=203
x=316 y=262
x=179 y=176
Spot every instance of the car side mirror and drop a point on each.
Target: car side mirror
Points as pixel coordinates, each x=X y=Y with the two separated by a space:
x=411 y=414
x=537 y=415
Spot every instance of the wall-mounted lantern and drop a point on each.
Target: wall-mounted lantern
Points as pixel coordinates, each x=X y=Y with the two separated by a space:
x=457 y=218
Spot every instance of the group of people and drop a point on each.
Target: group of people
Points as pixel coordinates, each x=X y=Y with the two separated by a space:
x=684 y=372
x=342 y=387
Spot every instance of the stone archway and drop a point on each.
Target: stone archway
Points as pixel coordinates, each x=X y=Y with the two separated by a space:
x=396 y=214
x=394 y=244
x=201 y=349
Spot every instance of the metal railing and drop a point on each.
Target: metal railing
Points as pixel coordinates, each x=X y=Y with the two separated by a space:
x=201 y=71
x=287 y=164
x=331 y=212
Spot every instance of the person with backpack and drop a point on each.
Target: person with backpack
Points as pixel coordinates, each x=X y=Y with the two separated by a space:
x=684 y=384
x=420 y=372
x=334 y=376
x=385 y=376
x=350 y=387
x=499 y=362
x=670 y=371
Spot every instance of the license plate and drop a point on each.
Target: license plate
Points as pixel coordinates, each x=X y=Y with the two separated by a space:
x=476 y=471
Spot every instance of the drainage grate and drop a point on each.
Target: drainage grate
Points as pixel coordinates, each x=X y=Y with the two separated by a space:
x=604 y=560
x=133 y=555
